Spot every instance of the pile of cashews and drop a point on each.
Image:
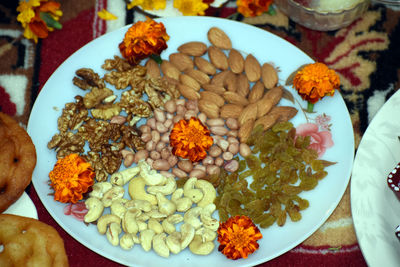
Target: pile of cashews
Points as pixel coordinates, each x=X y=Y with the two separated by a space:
x=151 y=216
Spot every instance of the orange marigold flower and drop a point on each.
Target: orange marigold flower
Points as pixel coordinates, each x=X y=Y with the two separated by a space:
x=190 y=139
x=143 y=39
x=252 y=8
x=238 y=237
x=70 y=178
x=39 y=17
x=315 y=81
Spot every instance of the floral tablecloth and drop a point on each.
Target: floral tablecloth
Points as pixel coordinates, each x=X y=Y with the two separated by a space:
x=366 y=55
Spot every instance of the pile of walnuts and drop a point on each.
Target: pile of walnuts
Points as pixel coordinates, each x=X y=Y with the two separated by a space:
x=90 y=118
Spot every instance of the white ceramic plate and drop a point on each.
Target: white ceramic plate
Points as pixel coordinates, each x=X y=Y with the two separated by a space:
x=375 y=208
x=23 y=207
x=264 y=46
x=170 y=11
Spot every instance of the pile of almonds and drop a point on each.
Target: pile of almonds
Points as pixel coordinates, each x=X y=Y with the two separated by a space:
x=228 y=85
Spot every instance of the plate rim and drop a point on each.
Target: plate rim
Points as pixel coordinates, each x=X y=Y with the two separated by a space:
x=353 y=188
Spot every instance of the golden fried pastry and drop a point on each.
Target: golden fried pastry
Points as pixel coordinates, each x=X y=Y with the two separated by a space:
x=29 y=242
x=17 y=160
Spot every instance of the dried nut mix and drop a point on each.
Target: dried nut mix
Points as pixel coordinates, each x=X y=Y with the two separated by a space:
x=231 y=94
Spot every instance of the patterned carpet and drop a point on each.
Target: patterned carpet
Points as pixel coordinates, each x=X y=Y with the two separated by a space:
x=366 y=54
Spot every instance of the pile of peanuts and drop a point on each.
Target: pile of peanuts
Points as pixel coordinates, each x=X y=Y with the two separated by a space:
x=156 y=131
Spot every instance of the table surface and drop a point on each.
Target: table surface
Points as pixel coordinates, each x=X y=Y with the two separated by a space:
x=365 y=54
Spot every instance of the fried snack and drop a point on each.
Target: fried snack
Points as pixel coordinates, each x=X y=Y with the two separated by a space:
x=17 y=161
x=29 y=242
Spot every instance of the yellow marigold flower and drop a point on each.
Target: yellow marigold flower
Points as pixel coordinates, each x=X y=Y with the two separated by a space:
x=106 y=15
x=38 y=17
x=315 y=81
x=143 y=39
x=191 y=7
x=70 y=178
x=252 y=8
x=190 y=139
x=238 y=237
x=148 y=4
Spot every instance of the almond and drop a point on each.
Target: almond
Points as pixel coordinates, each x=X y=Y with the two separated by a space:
x=189 y=81
x=219 y=38
x=219 y=78
x=209 y=108
x=242 y=85
x=269 y=75
x=181 y=61
x=153 y=69
x=204 y=65
x=188 y=92
x=267 y=121
x=230 y=81
x=194 y=48
x=248 y=113
x=285 y=113
x=235 y=61
x=270 y=99
x=252 y=68
x=198 y=75
x=218 y=58
x=257 y=91
x=168 y=69
x=245 y=131
x=235 y=98
x=230 y=111
x=212 y=97
x=214 y=88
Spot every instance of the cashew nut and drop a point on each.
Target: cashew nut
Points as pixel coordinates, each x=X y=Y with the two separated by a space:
x=165 y=189
x=150 y=176
x=137 y=190
x=165 y=205
x=113 y=232
x=99 y=189
x=173 y=242
x=169 y=223
x=208 y=190
x=127 y=241
x=190 y=192
x=155 y=226
x=129 y=223
x=141 y=204
x=187 y=232
x=146 y=238
x=123 y=177
x=182 y=203
x=197 y=246
x=159 y=245
x=95 y=209
x=206 y=218
x=206 y=234
x=118 y=208
x=192 y=217
x=116 y=192
x=105 y=220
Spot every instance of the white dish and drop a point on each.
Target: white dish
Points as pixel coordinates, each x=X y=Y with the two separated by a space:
x=375 y=208
x=23 y=207
x=267 y=48
x=170 y=11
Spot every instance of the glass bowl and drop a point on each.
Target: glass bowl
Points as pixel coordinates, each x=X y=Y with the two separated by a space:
x=312 y=15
